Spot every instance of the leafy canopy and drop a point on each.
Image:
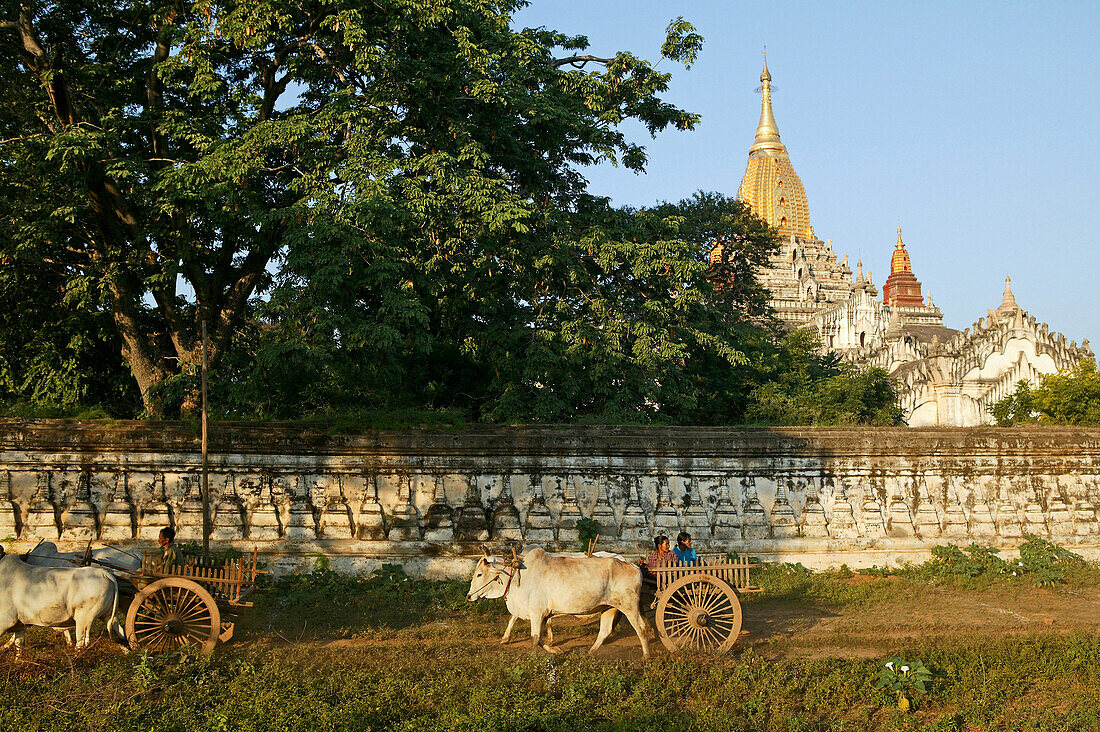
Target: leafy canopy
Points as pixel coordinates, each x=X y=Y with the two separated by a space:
x=808 y=388
x=372 y=206
x=400 y=169
x=1067 y=397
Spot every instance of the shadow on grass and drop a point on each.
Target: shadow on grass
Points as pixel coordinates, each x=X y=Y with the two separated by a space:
x=325 y=605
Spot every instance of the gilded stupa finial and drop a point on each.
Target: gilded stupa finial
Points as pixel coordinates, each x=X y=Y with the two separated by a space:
x=767 y=131
x=900 y=261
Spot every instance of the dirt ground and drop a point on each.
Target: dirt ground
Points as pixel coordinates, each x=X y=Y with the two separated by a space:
x=781 y=631
x=775 y=629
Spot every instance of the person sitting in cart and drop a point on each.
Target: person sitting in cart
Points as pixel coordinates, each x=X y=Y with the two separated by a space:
x=661 y=556
x=171 y=556
x=683 y=551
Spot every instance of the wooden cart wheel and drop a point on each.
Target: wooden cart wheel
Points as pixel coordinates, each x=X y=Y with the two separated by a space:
x=699 y=612
x=171 y=613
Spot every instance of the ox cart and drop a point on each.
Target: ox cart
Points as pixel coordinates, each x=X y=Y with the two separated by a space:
x=177 y=606
x=696 y=603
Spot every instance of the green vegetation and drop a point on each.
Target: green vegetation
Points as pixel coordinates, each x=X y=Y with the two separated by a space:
x=326 y=604
x=906 y=679
x=806 y=388
x=1067 y=397
x=588 y=530
x=1040 y=683
x=380 y=213
x=1040 y=561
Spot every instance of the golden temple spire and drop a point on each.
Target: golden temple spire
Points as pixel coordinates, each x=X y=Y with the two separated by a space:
x=770 y=186
x=900 y=261
x=767 y=131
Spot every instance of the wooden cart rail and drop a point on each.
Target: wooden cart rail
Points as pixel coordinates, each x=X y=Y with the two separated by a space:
x=733 y=573
x=231 y=582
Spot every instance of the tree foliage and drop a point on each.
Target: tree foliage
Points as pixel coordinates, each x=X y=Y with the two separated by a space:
x=372 y=206
x=611 y=314
x=411 y=159
x=58 y=352
x=1067 y=397
x=808 y=388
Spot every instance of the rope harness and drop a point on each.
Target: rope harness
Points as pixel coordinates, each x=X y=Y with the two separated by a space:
x=513 y=565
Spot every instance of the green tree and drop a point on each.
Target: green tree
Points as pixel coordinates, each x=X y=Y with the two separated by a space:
x=58 y=350
x=1071 y=397
x=806 y=387
x=643 y=326
x=1067 y=397
x=1016 y=408
x=399 y=167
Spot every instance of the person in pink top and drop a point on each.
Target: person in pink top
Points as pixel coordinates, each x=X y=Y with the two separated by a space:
x=662 y=554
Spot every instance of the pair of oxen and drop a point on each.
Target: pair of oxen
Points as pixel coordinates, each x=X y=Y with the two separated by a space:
x=537 y=586
x=43 y=588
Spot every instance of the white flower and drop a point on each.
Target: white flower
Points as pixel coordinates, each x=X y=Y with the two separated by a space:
x=904 y=669
x=890 y=665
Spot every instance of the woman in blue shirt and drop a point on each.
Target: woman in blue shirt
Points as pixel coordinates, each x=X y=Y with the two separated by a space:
x=683 y=549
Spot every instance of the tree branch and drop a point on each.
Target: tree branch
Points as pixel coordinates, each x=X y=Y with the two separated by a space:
x=578 y=62
x=154 y=94
x=272 y=86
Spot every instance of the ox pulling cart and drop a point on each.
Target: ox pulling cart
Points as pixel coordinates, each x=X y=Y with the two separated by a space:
x=177 y=606
x=696 y=603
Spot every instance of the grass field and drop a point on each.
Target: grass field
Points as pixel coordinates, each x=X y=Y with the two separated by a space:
x=327 y=652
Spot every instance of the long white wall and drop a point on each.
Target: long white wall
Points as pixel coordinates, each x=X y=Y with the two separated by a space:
x=429 y=499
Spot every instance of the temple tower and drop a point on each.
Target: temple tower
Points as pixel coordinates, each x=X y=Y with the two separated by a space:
x=902 y=287
x=770 y=186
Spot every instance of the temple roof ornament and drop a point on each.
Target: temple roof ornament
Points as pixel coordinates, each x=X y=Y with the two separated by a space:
x=810 y=289
x=770 y=186
x=900 y=261
x=1008 y=301
x=902 y=287
x=767 y=131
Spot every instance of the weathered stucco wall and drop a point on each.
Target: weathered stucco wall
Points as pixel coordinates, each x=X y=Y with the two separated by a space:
x=429 y=498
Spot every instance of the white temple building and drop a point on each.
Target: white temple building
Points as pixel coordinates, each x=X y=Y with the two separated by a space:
x=945 y=377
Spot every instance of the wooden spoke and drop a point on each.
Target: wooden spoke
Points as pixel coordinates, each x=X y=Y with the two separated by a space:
x=195 y=612
x=191 y=603
x=699 y=611
x=173 y=612
x=714 y=601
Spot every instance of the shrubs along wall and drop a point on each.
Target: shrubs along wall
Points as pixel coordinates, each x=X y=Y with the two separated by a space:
x=822 y=496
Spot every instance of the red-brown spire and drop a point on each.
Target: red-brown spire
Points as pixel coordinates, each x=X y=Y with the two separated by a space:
x=902 y=287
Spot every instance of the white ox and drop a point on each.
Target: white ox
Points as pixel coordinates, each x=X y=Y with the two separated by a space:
x=541 y=585
x=45 y=554
x=54 y=597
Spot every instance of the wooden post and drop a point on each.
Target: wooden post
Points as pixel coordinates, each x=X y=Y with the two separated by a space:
x=205 y=476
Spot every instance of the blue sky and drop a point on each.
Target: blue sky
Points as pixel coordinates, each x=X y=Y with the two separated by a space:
x=973 y=125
